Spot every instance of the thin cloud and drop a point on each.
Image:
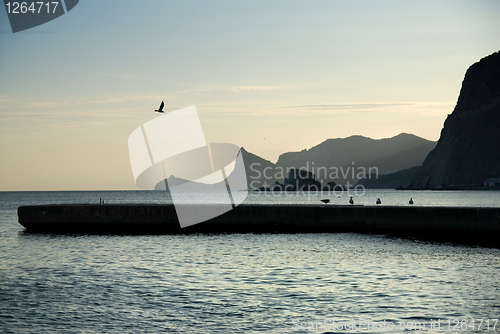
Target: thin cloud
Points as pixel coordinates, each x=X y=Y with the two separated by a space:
x=194 y=91
x=120 y=99
x=11 y=104
x=351 y=106
x=226 y=89
x=82 y=125
x=426 y=108
x=252 y=88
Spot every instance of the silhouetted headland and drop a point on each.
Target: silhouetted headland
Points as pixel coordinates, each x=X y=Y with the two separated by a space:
x=467 y=154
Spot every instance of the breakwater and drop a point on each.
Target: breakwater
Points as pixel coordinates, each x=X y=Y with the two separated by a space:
x=456 y=224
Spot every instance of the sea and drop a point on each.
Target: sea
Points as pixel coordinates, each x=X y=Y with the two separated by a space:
x=245 y=283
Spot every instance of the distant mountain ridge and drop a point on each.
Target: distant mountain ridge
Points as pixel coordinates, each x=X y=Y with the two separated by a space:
x=388 y=155
x=338 y=160
x=256 y=169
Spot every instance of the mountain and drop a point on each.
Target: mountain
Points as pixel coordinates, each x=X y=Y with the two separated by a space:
x=260 y=172
x=468 y=151
x=175 y=181
x=349 y=159
x=256 y=169
x=399 y=179
x=335 y=160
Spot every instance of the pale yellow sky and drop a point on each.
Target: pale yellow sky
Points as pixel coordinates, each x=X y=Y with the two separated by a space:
x=295 y=73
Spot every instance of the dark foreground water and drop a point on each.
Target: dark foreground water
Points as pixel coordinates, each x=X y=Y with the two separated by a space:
x=241 y=283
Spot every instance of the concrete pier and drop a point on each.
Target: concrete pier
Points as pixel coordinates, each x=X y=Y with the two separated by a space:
x=478 y=226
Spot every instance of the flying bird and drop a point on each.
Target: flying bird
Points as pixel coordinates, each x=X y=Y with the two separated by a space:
x=351 y=200
x=379 y=201
x=161 y=107
x=326 y=201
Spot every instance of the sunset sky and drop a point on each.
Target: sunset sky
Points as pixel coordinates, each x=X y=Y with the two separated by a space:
x=293 y=72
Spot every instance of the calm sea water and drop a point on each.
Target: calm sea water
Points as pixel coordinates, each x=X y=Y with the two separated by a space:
x=244 y=283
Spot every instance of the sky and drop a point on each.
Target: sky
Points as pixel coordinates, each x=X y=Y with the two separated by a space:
x=269 y=76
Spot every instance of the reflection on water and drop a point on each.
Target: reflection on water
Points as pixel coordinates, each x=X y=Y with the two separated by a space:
x=233 y=283
x=486 y=198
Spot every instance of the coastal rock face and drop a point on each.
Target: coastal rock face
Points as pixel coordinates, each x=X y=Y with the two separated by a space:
x=299 y=179
x=278 y=186
x=468 y=151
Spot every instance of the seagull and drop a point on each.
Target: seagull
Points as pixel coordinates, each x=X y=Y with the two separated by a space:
x=161 y=107
x=379 y=201
x=411 y=201
x=351 y=200
x=326 y=201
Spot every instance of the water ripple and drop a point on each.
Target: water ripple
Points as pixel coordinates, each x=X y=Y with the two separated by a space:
x=238 y=283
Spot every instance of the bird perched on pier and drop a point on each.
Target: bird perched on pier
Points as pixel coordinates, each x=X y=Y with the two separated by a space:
x=161 y=107
x=379 y=201
x=351 y=200
x=411 y=201
x=326 y=201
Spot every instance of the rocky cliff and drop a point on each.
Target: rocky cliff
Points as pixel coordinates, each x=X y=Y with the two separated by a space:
x=468 y=150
